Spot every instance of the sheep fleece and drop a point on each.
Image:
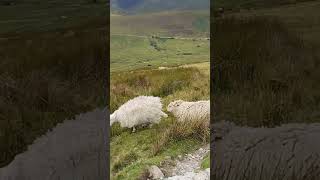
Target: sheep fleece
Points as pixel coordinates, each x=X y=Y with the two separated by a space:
x=185 y=111
x=139 y=110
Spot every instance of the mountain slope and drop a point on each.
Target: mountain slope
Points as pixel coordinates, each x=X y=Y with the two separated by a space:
x=136 y=6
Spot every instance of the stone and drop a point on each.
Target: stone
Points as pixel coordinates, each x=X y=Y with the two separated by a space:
x=155 y=172
x=201 y=176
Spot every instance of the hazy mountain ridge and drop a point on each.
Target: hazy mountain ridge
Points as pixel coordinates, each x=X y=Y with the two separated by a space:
x=135 y=6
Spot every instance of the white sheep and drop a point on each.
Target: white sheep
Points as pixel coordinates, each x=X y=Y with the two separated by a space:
x=189 y=111
x=138 y=111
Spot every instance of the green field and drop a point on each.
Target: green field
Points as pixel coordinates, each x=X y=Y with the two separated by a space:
x=132 y=45
x=128 y=53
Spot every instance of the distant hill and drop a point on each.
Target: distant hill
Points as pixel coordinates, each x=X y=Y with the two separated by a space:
x=255 y=4
x=171 y=23
x=136 y=6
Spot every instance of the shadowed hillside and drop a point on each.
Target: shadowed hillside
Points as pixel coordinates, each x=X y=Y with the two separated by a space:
x=52 y=57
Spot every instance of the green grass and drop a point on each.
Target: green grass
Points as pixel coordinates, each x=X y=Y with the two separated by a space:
x=140 y=144
x=135 y=58
x=152 y=146
x=129 y=53
x=206 y=162
x=35 y=16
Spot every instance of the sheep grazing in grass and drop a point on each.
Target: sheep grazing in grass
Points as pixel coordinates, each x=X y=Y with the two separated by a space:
x=139 y=111
x=189 y=111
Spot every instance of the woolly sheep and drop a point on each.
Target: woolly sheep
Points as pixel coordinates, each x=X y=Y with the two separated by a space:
x=137 y=111
x=188 y=111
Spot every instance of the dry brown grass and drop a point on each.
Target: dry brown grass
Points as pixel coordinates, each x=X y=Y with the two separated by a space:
x=197 y=129
x=263 y=74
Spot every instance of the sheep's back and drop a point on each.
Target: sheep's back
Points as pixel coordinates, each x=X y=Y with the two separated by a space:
x=193 y=111
x=140 y=110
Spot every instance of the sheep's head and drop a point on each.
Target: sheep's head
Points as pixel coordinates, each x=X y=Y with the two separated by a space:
x=174 y=105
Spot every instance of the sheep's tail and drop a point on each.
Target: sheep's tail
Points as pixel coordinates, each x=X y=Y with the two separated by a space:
x=112 y=119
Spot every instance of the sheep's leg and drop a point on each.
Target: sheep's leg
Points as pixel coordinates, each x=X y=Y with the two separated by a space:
x=150 y=125
x=133 y=129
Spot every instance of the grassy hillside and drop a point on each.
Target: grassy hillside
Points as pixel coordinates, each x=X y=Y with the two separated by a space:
x=128 y=53
x=49 y=67
x=132 y=153
x=237 y=5
x=135 y=58
x=31 y=16
x=171 y=23
x=266 y=73
x=302 y=18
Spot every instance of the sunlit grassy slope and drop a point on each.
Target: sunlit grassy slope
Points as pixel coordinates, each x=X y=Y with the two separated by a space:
x=129 y=53
x=132 y=153
x=171 y=23
x=135 y=58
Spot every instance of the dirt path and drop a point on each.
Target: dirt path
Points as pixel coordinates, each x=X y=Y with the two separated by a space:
x=73 y=150
x=179 y=38
x=189 y=167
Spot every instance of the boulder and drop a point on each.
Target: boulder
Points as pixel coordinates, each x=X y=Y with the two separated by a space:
x=155 y=172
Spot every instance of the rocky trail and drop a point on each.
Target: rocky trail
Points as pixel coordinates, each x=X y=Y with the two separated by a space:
x=187 y=167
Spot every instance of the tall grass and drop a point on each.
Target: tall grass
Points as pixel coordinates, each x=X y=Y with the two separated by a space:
x=281 y=169
x=46 y=78
x=263 y=74
x=198 y=129
x=169 y=137
x=162 y=83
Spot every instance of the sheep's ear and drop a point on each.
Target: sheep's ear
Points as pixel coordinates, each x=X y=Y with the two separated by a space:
x=178 y=103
